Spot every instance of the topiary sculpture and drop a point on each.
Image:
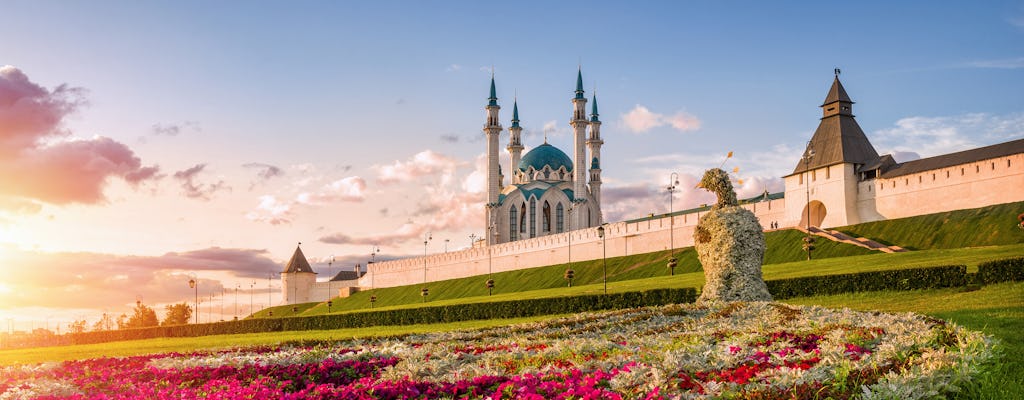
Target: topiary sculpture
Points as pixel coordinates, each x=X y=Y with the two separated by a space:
x=730 y=245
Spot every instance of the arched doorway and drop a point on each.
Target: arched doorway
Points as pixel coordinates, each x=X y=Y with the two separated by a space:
x=817 y=214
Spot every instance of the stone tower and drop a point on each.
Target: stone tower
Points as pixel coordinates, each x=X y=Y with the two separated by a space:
x=492 y=129
x=579 y=125
x=297 y=279
x=828 y=173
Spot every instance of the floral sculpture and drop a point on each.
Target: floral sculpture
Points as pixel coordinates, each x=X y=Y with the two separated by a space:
x=730 y=246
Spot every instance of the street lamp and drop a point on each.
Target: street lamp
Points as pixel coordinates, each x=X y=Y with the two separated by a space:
x=808 y=240
x=194 y=284
x=673 y=180
x=330 y=279
x=237 y=285
x=446 y=245
x=252 y=289
x=604 y=257
x=426 y=239
x=569 y=273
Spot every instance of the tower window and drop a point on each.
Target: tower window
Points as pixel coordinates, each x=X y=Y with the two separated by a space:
x=559 y=218
x=993 y=166
x=919 y=179
x=801 y=179
x=533 y=217
x=828 y=172
x=1007 y=163
x=961 y=172
x=814 y=175
x=513 y=233
x=546 y=218
x=933 y=176
x=522 y=218
x=977 y=169
x=947 y=174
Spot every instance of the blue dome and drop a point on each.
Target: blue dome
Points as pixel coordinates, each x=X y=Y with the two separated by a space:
x=545 y=154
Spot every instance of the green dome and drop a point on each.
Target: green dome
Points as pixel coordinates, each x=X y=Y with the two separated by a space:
x=545 y=154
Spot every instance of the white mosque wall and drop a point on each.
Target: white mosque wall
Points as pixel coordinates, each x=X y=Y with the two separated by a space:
x=971 y=185
x=622 y=238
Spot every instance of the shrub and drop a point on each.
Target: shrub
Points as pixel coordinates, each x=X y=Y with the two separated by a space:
x=422 y=315
x=900 y=279
x=1004 y=270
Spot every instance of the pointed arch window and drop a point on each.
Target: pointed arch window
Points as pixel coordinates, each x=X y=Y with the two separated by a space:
x=533 y=217
x=546 y=214
x=513 y=218
x=522 y=218
x=559 y=218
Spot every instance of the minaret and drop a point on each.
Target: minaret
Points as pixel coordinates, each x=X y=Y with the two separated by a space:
x=579 y=125
x=515 y=144
x=492 y=129
x=594 y=143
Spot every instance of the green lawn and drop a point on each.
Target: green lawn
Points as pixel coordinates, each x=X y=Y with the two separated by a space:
x=472 y=290
x=986 y=226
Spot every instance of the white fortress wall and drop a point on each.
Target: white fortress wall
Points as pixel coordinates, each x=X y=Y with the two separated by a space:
x=622 y=238
x=971 y=185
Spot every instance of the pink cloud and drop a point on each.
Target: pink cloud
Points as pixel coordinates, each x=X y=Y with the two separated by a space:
x=350 y=189
x=424 y=163
x=640 y=120
x=37 y=162
x=272 y=211
x=91 y=280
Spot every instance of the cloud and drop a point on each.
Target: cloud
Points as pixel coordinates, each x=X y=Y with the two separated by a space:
x=40 y=162
x=1005 y=63
x=932 y=136
x=349 y=189
x=271 y=211
x=174 y=129
x=640 y=120
x=193 y=189
x=277 y=212
x=422 y=164
x=405 y=232
x=453 y=68
x=92 y=280
x=450 y=138
x=264 y=173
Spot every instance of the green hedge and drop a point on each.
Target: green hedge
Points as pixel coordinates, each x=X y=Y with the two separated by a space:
x=900 y=279
x=1005 y=270
x=423 y=315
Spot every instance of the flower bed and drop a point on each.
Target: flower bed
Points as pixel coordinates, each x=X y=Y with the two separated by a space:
x=739 y=350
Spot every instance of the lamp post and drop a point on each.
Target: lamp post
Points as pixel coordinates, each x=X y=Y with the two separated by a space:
x=373 y=259
x=472 y=239
x=236 y=300
x=330 y=280
x=569 y=273
x=808 y=240
x=604 y=258
x=252 y=289
x=673 y=180
x=426 y=239
x=194 y=284
x=446 y=245
x=492 y=230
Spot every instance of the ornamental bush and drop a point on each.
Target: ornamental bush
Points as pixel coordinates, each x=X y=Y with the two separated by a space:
x=1004 y=270
x=900 y=279
x=422 y=315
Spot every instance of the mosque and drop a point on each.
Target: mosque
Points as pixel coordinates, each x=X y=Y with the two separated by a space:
x=549 y=211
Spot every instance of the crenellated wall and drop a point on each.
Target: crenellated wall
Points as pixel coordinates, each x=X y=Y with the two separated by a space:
x=971 y=185
x=622 y=238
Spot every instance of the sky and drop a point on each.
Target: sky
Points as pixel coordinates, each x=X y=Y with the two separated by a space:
x=147 y=143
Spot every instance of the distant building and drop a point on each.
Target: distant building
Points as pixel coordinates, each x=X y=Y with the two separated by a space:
x=841 y=180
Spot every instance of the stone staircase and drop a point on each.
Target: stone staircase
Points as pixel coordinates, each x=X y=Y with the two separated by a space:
x=840 y=237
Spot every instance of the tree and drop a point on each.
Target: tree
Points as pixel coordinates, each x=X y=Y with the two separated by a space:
x=104 y=324
x=177 y=314
x=77 y=326
x=142 y=317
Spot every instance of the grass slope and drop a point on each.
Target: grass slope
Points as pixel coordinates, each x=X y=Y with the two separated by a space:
x=986 y=226
x=783 y=246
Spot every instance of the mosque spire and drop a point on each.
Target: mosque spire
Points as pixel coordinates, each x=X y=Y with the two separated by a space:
x=493 y=100
x=593 y=110
x=579 y=83
x=515 y=112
